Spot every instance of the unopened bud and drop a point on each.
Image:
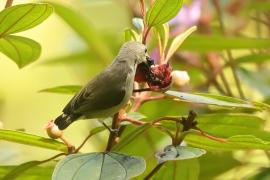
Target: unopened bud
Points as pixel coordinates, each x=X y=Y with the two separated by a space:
x=53 y=131
x=180 y=78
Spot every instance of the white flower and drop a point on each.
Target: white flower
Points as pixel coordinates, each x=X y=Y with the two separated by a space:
x=180 y=78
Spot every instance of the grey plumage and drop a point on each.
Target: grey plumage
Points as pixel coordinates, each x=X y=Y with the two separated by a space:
x=107 y=92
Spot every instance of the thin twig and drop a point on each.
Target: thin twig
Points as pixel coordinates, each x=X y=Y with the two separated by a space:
x=83 y=143
x=141 y=90
x=153 y=171
x=113 y=135
x=8 y=3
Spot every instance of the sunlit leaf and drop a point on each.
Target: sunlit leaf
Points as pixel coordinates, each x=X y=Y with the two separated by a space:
x=178 y=40
x=22 y=17
x=67 y=89
x=21 y=50
x=131 y=136
x=186 y=170
x=162 y=11
x=98 y=166
x=171 y=153
x=253 y=58
x=205 y=43
x=131 y=35
x=32 y=140
x=210 y=99
x=163 y=31
x=85 y=30
x=34 y=172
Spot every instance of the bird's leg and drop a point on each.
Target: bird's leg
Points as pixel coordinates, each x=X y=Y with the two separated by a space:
x=111 y=130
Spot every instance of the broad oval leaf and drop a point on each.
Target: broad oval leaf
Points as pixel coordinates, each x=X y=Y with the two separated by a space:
x=218 y=100
x=21 y=50
x=172 y=153
x=99 y=166
x=32 y=140
x=67 y=89
x=22 y=17
x=162 y=11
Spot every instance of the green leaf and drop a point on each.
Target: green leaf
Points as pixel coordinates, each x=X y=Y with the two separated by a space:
x=163 y=31
x=205 y=43
x=103 y=166
x=85 y=30
x=22 y=17
x=253 y=58
x=131 y=35
x=162 y=11
x=33 y=173
x=32 y=140
x=131 y=136
x=182 y=170
x=263 y=6
x=14 y=173
x=210 y=99
x=178 y=40
x=138 y=23
x=21 y=50
x=67 y=89
x=172 y=153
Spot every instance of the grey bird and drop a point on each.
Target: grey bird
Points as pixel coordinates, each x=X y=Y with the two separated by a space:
x=108 y=91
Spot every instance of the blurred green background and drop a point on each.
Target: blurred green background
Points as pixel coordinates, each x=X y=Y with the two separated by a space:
x=67 y=60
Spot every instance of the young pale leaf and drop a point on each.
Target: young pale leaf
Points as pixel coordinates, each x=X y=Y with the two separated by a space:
x=178 y=40
x=22 y=17
x=85 y=30
x=209 y=99
x=138 y=23
x=172 y=153
x=163 y=31
x=162 y=11
x=21 y=50
x=131 y=136
x=99 y=166
x=67 y=89
x=205 y=43
x=131 y=35
x=179 y=170
x=32 y=140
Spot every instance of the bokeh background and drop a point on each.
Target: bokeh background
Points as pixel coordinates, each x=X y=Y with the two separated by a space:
x=67 y=60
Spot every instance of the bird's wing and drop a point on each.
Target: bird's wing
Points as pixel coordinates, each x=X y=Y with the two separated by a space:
x=103 y=92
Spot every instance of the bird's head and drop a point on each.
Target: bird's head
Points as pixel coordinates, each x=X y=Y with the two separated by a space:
x=135 y=53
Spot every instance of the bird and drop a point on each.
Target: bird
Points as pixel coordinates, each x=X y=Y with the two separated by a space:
x=110 y=90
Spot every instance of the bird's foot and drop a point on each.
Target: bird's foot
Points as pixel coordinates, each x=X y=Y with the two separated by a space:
x=114 y=131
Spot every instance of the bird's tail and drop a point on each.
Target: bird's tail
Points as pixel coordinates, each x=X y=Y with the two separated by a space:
x=63 y=121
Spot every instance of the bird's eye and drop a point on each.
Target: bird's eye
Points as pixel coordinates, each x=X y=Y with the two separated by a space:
x=145 y=50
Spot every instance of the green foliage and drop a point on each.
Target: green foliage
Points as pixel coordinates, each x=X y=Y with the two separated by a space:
x=32 y=140
x=67 y=89
x=19 y=18
x=99 y=166
x=162 y=11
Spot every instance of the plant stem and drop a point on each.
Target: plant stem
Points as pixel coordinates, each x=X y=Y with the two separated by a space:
x=8 y=3
x=228 y=52
x=153 y=171
x=113 y=135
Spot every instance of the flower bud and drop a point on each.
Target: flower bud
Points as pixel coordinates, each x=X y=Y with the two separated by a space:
x=180 y=78
x=53 y=131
